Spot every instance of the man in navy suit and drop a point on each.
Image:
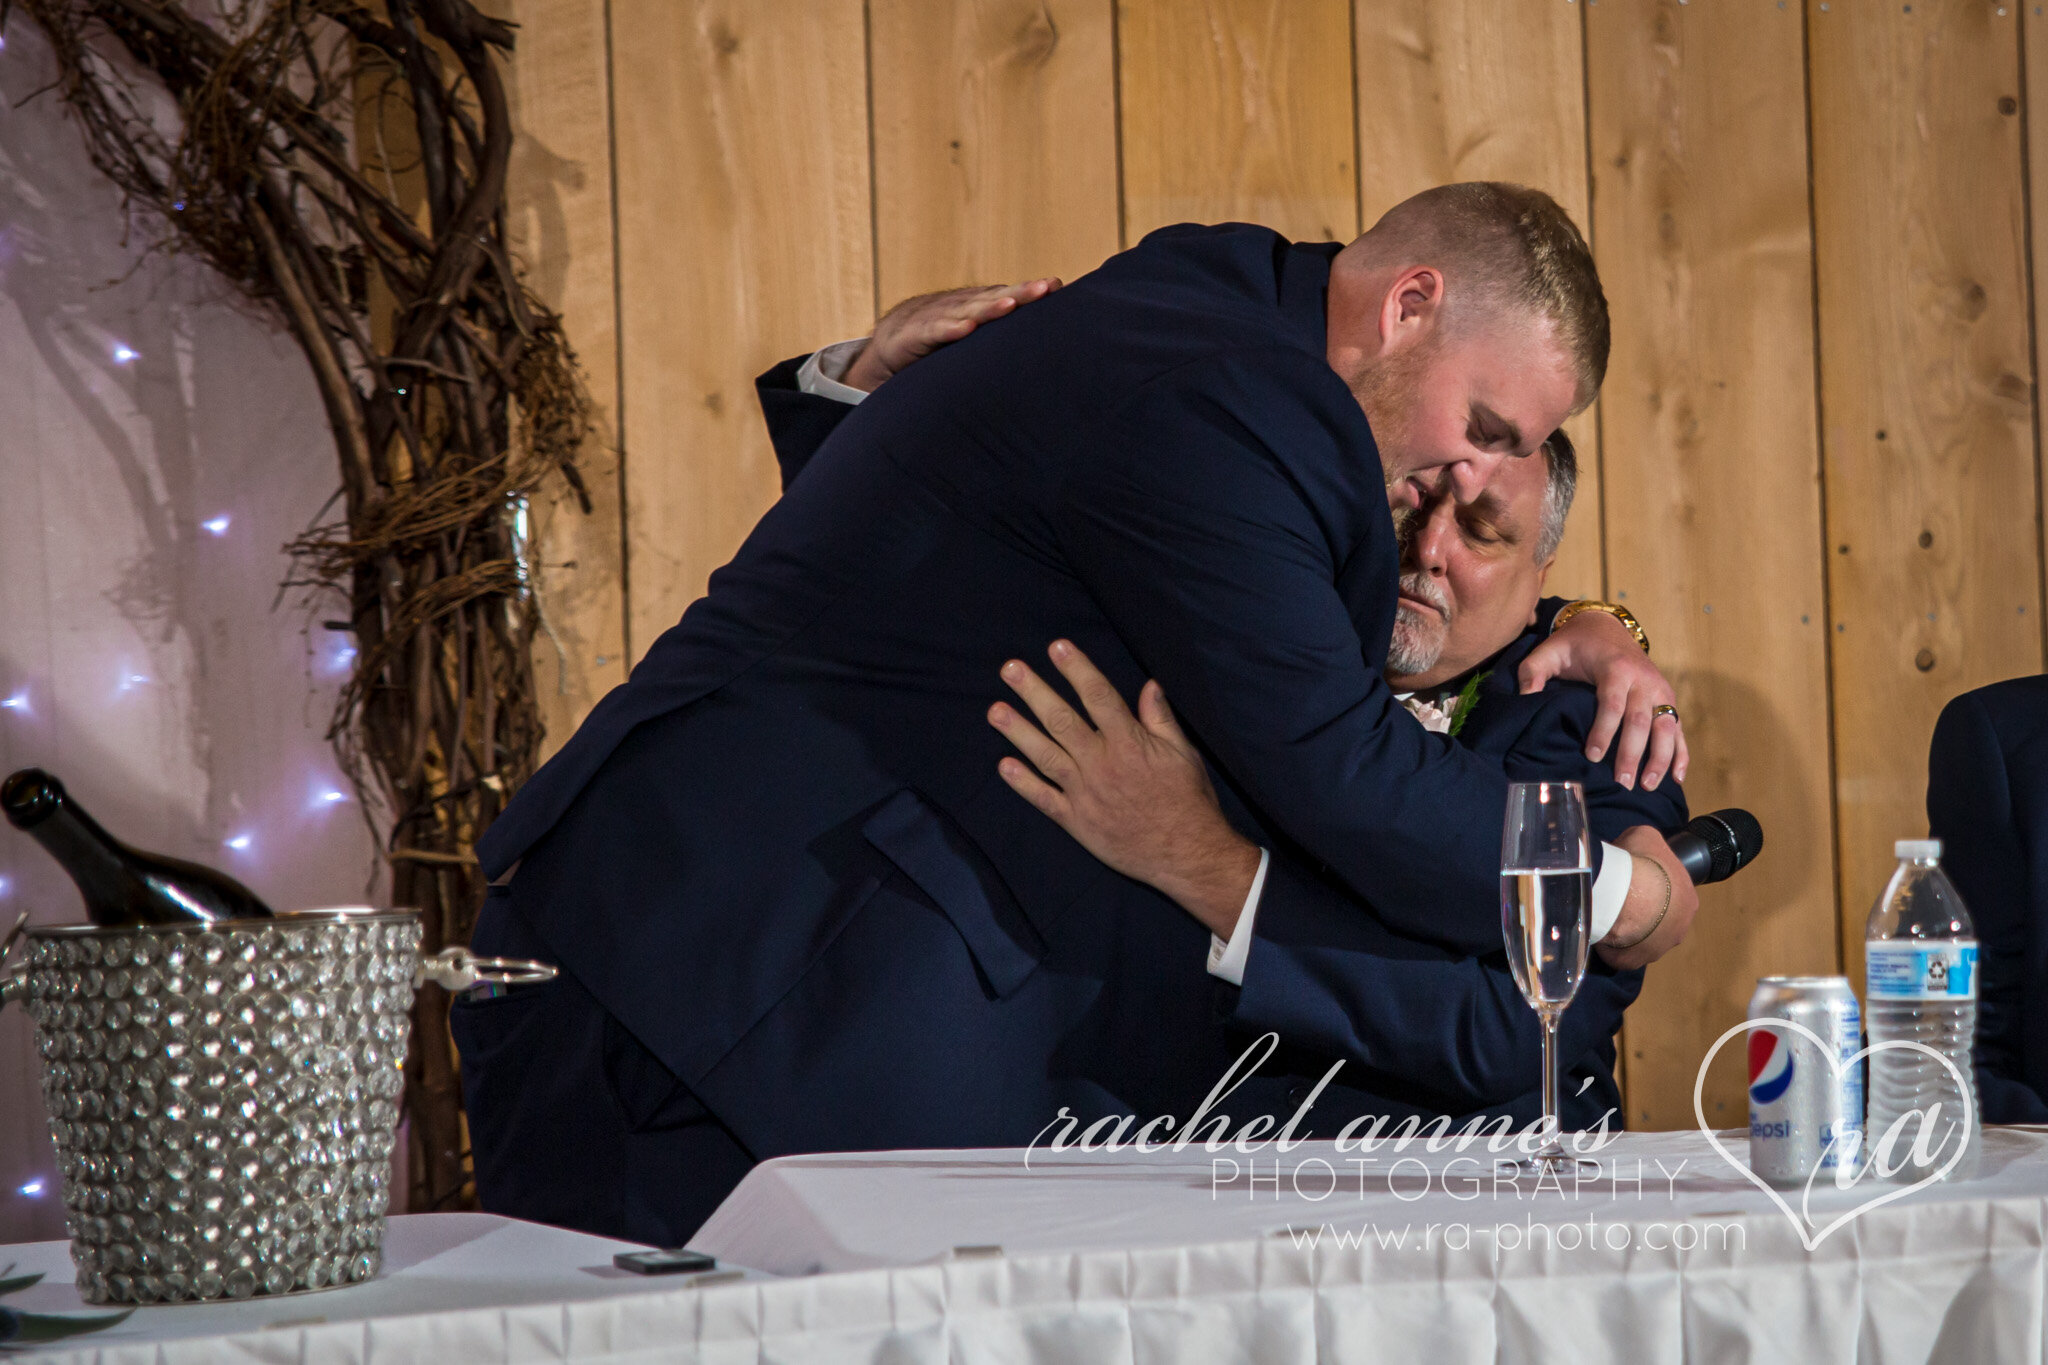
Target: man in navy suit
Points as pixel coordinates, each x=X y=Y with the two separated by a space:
x=1987 y=801
x=1329 y=977
x=795 y=907
x=1314 y=964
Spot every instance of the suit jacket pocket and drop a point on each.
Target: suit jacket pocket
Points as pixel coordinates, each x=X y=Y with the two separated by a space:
x=487 y=1030
x=944 y=864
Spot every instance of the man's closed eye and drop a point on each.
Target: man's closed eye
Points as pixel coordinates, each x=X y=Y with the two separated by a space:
x=1490 y=431
x=1487 y=535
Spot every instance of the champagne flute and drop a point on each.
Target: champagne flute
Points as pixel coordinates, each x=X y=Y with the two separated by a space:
x=1546 y=893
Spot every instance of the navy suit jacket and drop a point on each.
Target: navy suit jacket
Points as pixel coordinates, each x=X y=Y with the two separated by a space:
x=1987 y=801
x=1329 y=975
x=1157 y=462
x=1415 y=1021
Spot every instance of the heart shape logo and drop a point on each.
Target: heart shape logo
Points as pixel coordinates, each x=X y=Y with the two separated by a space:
x=1802 y=1225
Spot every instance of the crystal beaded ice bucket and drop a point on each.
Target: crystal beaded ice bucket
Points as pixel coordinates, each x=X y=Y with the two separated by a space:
x=223 y=1097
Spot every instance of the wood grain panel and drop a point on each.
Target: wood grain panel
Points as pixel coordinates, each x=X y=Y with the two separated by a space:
x=1453 y=90
x=744 y=237
x=1927 y=421
x=2034 y=52
x=1713 y=498
x=559 y=220
x=1238 y=110
x=995 y=140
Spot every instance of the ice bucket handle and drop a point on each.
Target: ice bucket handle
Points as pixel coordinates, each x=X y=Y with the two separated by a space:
x=14 y=984
x=453 y=969
x=457 y=969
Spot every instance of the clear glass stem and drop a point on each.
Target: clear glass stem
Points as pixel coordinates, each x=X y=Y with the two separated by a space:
x=1552 y=1126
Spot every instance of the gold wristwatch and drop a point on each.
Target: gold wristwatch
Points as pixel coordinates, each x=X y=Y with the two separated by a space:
x=1614 y=609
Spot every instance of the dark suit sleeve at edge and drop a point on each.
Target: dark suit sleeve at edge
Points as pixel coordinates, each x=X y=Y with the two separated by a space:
x=798 y=422
x=1969 y=808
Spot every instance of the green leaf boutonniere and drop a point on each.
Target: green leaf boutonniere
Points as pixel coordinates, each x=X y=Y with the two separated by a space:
x=1467 y=700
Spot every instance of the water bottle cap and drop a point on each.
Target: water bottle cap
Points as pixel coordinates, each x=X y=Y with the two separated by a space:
x=1917 y=848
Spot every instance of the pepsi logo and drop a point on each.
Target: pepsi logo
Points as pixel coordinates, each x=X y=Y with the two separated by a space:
x=1770 y=1066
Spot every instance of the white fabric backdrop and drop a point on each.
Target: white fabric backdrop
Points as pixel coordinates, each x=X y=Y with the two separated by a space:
x=159 y=442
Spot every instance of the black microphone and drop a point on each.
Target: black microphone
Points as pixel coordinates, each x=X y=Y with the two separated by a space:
x=1715 y=847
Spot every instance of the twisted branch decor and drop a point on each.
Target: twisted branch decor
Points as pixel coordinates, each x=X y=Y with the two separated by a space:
x=344 y=165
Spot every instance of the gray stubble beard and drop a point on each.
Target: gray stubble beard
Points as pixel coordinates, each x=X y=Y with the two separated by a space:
x=1411 y=653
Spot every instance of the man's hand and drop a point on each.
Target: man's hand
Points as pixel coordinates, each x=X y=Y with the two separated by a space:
x=1595 y=648
x=916 y=327
x=1130 y=789
x=1647 y=900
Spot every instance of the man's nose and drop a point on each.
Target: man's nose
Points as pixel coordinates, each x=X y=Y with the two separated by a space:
x=1432 y=541
x=1469 y=477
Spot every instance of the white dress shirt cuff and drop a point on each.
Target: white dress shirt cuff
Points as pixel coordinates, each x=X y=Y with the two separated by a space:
x=1226 y=960
x=823 y=371
x=1610 y=888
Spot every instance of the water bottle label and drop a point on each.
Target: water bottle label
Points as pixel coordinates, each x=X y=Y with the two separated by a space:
x=1905 y=970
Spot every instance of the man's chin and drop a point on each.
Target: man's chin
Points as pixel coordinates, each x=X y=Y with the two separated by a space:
x=1406 y=664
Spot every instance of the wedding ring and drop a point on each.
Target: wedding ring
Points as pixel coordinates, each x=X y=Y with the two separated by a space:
x=1665 y=710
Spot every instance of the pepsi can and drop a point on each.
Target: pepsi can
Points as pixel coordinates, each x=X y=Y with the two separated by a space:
x=1805 y=1105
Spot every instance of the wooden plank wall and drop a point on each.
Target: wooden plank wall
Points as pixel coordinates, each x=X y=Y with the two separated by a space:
x=1815 y=469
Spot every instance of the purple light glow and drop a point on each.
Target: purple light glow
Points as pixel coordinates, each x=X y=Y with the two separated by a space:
x=6 y=887
x=33 y=1189
x=17 y=702
x=240 y=843
x=217 y=526
x=124 y=354
x=324 y=795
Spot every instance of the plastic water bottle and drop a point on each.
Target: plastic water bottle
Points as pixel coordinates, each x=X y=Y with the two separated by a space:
x=1920 y=956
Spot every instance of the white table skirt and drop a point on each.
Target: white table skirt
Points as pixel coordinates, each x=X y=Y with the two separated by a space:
x=1123 y=1257
x=1118 y=1258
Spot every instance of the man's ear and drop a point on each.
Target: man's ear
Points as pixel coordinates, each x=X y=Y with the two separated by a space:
x=1412 y=309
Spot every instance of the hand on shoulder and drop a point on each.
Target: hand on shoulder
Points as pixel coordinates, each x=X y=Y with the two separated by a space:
x=916 y=327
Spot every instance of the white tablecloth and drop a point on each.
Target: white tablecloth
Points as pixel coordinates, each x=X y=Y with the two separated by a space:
x=1122 y=1257
x=456 y=1287
x=965 y=1256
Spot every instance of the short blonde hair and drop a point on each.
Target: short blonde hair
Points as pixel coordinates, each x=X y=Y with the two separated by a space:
x=1515 y=248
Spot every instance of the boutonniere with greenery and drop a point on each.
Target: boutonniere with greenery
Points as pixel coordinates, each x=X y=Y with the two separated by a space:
x=1462 y=706
x=33 y=1329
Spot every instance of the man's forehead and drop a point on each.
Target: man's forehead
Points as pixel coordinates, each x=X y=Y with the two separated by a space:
x=1518 y=486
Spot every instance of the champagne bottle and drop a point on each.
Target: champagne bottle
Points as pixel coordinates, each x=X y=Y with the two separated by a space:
x=121 y=885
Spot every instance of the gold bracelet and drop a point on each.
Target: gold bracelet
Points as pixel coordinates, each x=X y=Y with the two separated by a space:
x=1644 y=936
x=1614 y=609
